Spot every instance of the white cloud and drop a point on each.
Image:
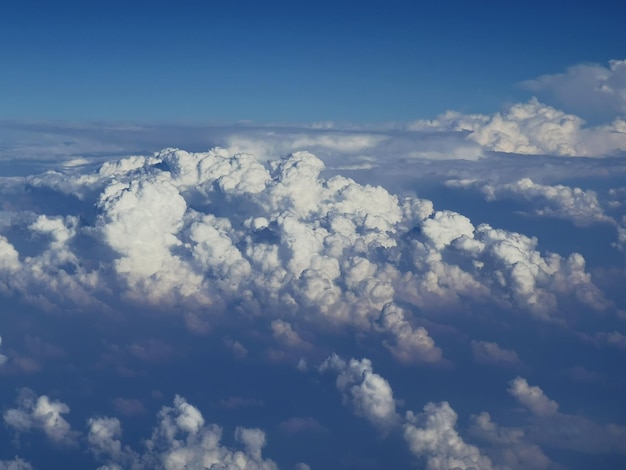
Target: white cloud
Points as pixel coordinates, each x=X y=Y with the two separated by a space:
x=409 y=344
x=39 y=413
x=550 y=427
x=181 y=439
x=433 y=435
x=532 y=128
x=284 y=332
x=509 y=447
x=532 y=398
x=557 y=201
x=104 y=437
x=368 y=393
x=205 y=233
x=589 y=89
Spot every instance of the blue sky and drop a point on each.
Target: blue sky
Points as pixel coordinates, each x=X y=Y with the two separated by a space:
x=327 y=235
x=195 y=61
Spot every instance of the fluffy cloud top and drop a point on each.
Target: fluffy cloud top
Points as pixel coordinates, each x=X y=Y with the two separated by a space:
x=368 y=393
x=205 y=233
x=533 y=128
x=559 y=201
x=549 y=426
x=432 y=435
x=533 y=398
x=180 y=440
x=40 y=413
x=589 y=89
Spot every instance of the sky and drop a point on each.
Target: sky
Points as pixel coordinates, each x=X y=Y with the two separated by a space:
x=312 y=236
x=197 y=61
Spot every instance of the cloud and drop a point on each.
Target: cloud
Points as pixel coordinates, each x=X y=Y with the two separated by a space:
x=3 y=357
x=283 y=332
x=368 y=393
x=532 y=397
x=409 y=344
x=509 y=446
x=589 y=89
x=206 y=233
x=557 y=201
x=432 y=435
x=550 y=427
x=181 y=439
x=487 y=352
x=532 y=128
x=602 y=338
x=39 y=413
x=295 y=425
x=15 y=464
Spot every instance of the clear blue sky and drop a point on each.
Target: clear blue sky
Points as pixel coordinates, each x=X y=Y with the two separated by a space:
x=288 y=61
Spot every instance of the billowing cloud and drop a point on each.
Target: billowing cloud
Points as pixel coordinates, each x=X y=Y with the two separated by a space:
x=533 y=128
x=181 y=439
x=550 y=427
x=205 y=233
x=40 y=413
x=533 y=398
x=368 y=393
x=509 y=446
x=557 y=201
x=588 y=89
x=432 y=435
x=287 y=243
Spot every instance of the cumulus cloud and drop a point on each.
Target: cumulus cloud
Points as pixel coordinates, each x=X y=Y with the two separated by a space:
x=551 y=427
x=368 y=393
x=532 y=128
x=432 y=435
x=40 y=413
x=509 y=447
x=557 y=201
x=409 y=344
x=181 y=439
x=487 y=352
x=593 y=90
x=209 y=232
x=532 y=398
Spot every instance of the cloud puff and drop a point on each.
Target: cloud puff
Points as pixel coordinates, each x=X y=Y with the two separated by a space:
x=532 y=128
x=487 y=352
x=548 y=426
x=588 y=89
x=368 y=393
x=432 y=435
x=558 y=201
x=509 y=446
x=43 y=414
x=208 y=232
x=408 y=344
x=533 y=398
x=180 y=440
